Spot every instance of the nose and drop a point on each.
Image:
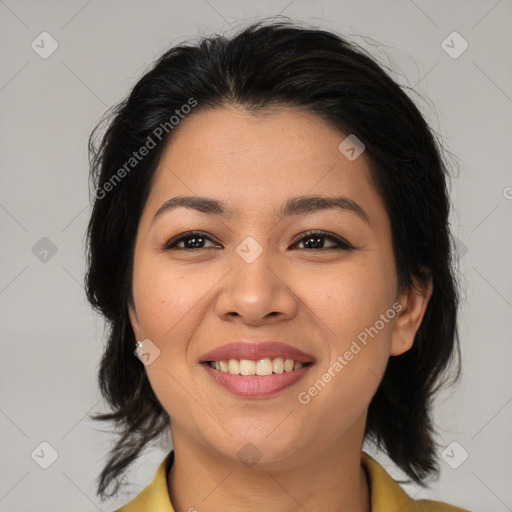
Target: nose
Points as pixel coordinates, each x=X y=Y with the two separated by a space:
x=256 y=293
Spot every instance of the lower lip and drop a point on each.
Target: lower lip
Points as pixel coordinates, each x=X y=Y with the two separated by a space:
x=255 y=386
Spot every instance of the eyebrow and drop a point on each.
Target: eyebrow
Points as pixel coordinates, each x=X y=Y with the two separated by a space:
x=301 y=205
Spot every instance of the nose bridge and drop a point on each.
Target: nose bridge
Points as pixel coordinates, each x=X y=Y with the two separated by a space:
x=253 y=267
x=254 y=288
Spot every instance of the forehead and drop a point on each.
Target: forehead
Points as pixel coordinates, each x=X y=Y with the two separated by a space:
x=253 y=160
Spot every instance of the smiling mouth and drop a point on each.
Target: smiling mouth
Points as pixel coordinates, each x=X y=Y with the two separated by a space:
x=260 y=367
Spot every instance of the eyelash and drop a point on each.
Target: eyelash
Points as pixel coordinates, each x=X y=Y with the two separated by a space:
x=340 y=243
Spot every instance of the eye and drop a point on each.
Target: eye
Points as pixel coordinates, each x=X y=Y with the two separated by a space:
x=314 y=240
x=191 y=239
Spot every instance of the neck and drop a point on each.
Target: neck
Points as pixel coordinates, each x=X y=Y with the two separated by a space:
x=331 y=479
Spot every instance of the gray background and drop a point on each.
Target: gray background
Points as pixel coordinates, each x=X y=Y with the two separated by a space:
x=52 y=342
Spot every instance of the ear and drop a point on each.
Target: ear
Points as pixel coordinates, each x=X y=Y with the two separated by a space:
x=414 y=304
x=134 y=320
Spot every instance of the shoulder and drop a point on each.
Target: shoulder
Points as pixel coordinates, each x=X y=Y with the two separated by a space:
x=434 y=506
x=155 y=497
x=388 y=496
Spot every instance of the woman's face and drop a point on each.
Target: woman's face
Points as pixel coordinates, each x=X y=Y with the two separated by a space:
x=256 y=276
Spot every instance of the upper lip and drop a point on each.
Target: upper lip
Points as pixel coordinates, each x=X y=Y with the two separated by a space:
x=256 y=350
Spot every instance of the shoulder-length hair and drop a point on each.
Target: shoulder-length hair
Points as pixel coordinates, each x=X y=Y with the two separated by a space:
x=270 y=64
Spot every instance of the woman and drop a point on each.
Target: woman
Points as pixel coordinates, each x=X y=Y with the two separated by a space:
x=270 y=234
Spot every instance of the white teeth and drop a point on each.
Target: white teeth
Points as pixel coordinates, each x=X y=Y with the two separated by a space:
x=247 y=367
x=262 y=367
x=278 y=365
x=234 y=367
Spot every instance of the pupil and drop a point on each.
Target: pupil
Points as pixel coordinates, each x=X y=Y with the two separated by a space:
x=317 y=242
x=194 y=241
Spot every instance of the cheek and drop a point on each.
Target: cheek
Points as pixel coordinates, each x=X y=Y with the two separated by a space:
x=165 y=296
x=353 y=310
x=167 y=299
x=348 y=299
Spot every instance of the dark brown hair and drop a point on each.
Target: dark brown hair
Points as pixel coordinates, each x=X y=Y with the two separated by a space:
x=266 y=64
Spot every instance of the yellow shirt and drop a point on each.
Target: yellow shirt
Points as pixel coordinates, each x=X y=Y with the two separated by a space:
x=386 y=494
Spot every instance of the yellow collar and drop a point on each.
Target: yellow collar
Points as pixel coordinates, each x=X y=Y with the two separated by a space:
x=386 y=494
